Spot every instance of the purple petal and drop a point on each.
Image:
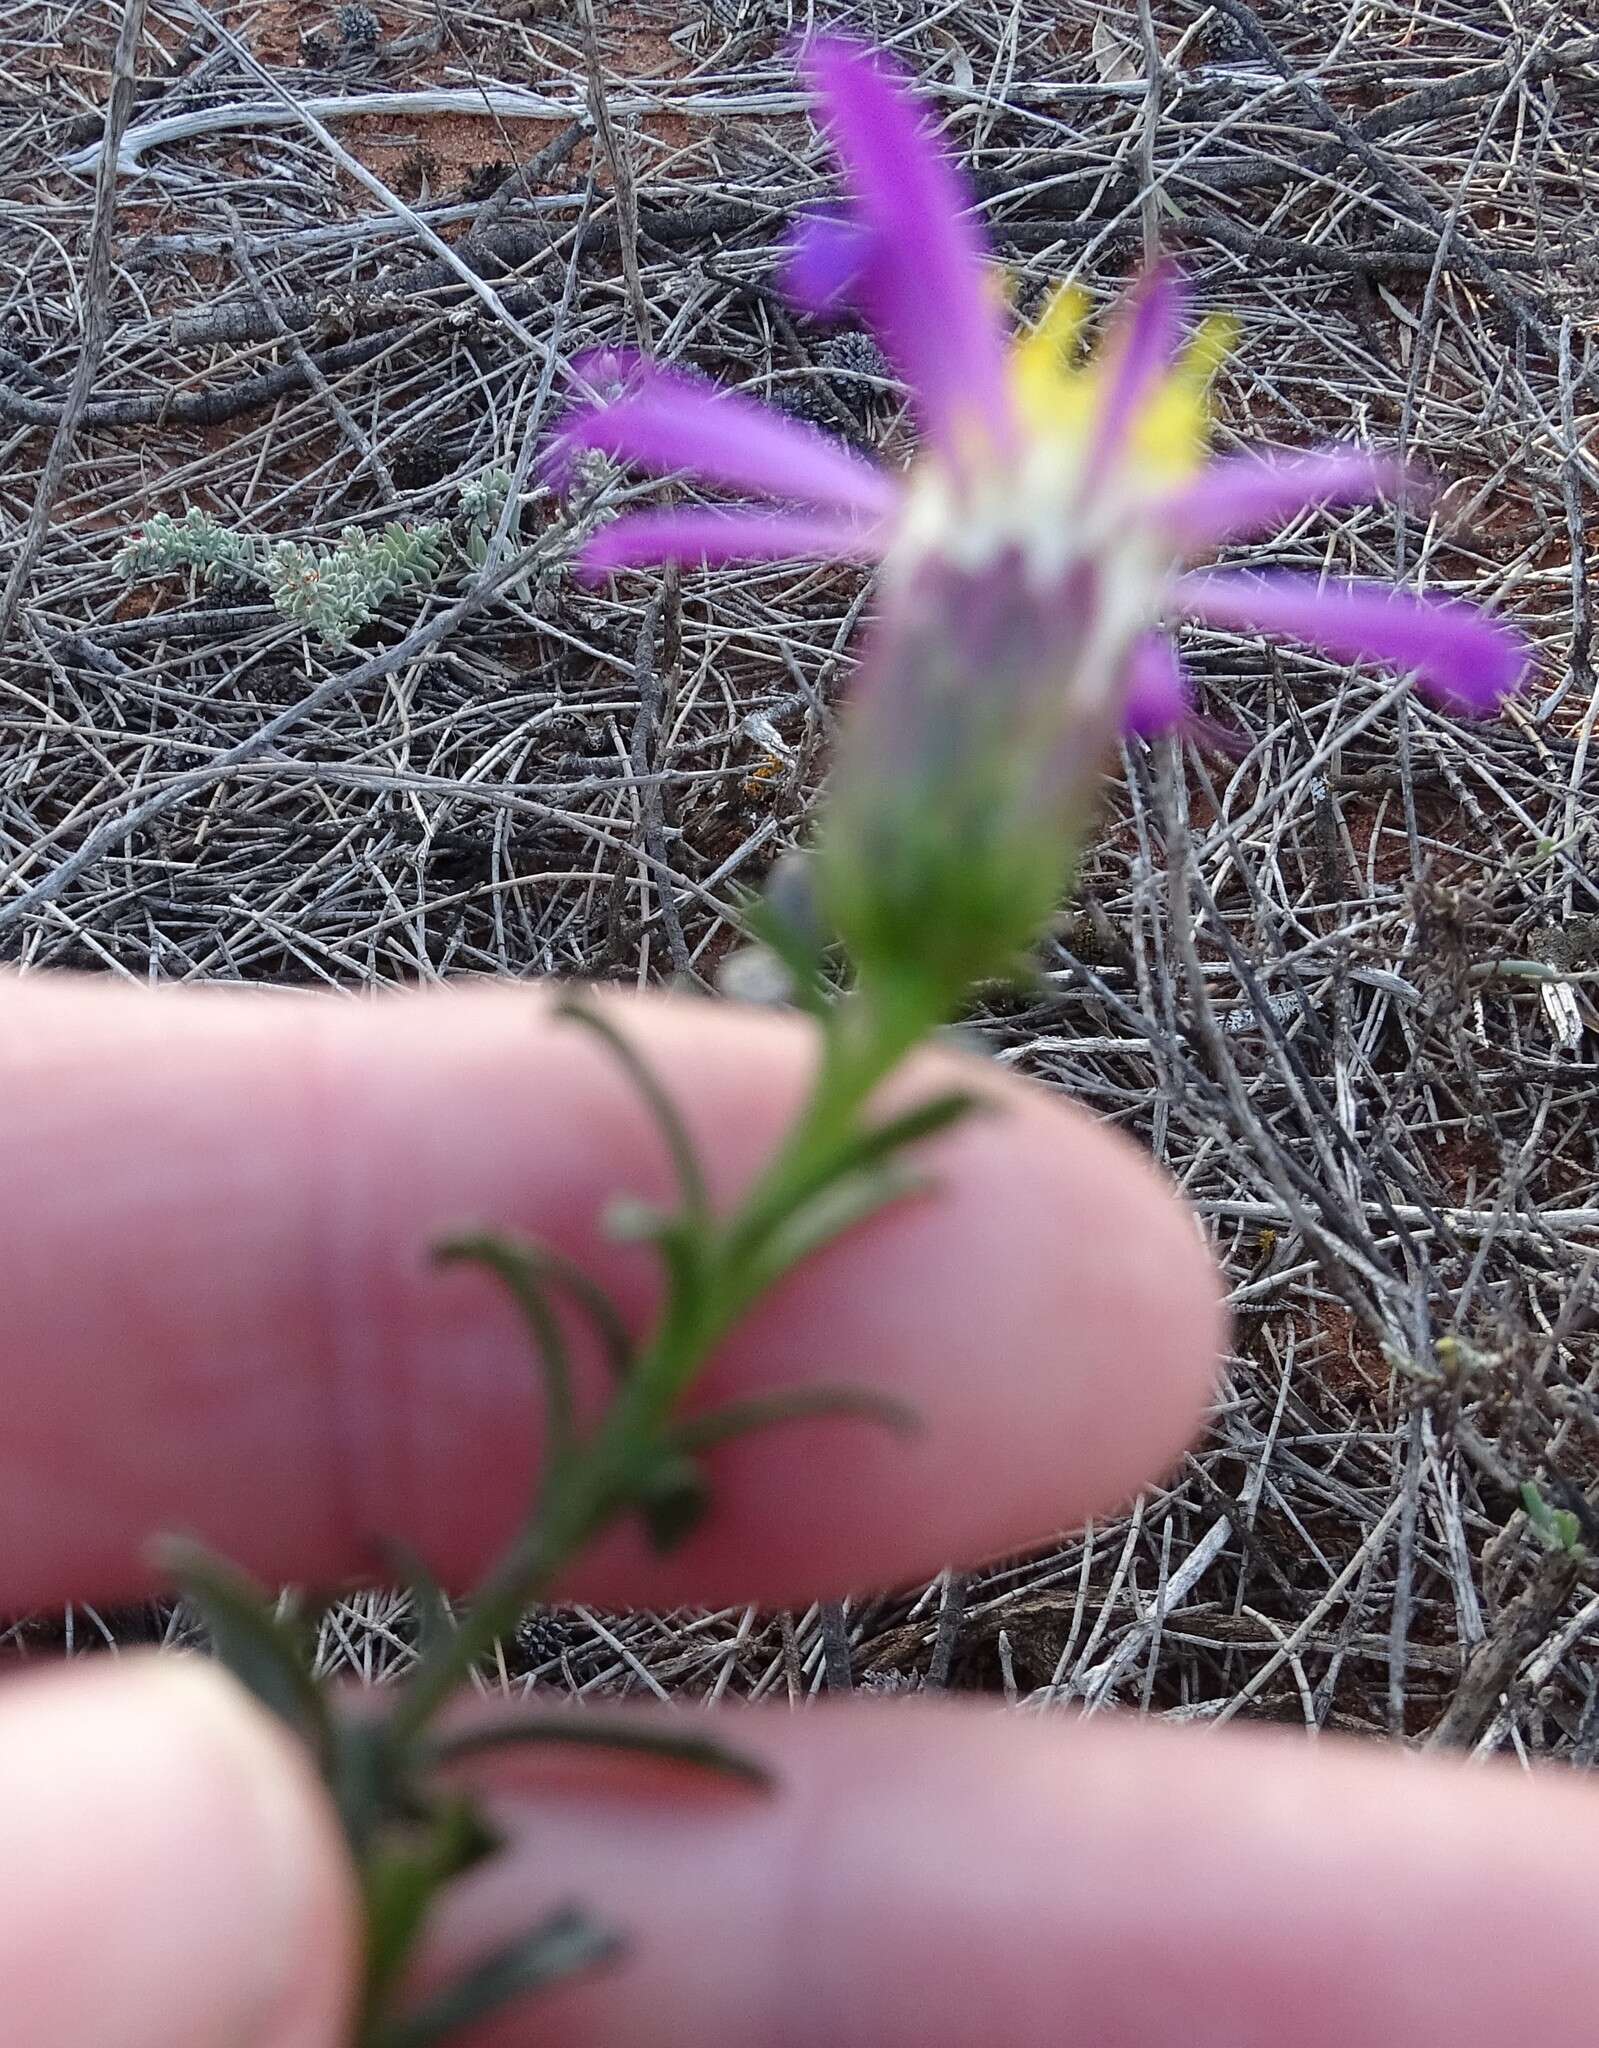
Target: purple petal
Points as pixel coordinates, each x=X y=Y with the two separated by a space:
x=704 y=535
x=825 y=263
x=667 y=420
x=1156 y=689
x=922 y=274
x=1139 y=351
x=1254 y=494
x=1466 y=660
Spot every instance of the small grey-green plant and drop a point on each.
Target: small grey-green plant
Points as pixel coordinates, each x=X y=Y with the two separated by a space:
x=482 y=500
x=337 y=590
x=334 y=589
x=196 y=541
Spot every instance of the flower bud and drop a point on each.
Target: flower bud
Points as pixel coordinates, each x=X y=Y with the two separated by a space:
x=968 y=768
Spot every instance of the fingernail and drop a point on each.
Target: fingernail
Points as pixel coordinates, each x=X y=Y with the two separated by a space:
x=171 y=1870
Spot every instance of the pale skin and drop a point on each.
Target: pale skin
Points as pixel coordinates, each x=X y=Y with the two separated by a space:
x=220 y=1318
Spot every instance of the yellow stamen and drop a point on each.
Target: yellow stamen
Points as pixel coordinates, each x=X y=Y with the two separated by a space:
x=1048 y=380
x=1057 y=395
x=1174 y=425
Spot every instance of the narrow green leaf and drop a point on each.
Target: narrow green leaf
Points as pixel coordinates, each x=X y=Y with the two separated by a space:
x=268 y=1653
x=516 y=1266
x=674 y=1132
x=402 y=1877
x=795 y=1404
x=557 y=1270
x=435 y=1625
x=872 y=1150
x=563 y=1945
x=880 y=1142
x=584 y=1730
x=680 y=1242
x=363 y=1777
x=616 y=1340
x=829 y=1214
x=398 y=1890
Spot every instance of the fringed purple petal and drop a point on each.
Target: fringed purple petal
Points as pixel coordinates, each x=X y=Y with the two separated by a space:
x=1139 y=350
x=922 y=275
x=705 y=535
x=825 y=262
x=1156 y=691
x=1246 y=495
x=666 y=421
x=1465 y=660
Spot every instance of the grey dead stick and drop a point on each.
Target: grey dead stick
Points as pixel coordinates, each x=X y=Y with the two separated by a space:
x=651 y=666
x=352 y=166
x=622 y=181
x=96 y=313
x=951 y=1611
x=348 y=425
x=1148 y=179
x=1515 y=1635
x=838 y=1663
x=646 y=749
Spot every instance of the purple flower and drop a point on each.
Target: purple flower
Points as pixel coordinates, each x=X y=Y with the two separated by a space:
x=1028 y=453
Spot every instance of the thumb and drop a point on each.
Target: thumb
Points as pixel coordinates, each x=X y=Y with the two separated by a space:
x=173 y=1876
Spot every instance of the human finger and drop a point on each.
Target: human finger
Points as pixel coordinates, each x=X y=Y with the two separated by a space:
x=926 y=1878
x=172 y=1874
x=222 y=1314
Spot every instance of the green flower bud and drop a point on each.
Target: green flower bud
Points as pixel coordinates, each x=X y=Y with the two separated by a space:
x=968 y=769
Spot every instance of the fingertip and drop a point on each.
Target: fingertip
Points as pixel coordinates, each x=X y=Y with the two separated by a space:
x=1135 y=1300
x=172 y=1871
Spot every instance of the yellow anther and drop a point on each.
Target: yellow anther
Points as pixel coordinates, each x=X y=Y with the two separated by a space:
x=1057 y=394
x=1175 y=423
x=1215 y=340
x=1049 y=382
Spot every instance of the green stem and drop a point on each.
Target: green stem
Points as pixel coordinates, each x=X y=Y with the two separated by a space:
x=597 y=1479
x=863 y=1042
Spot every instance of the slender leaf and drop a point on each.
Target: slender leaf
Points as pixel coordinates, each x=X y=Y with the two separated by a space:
x=674 y=1132
x=516 y=1266
x=866 y=1151
x=563 y=1945
x=795 y=1404
x=557 y=1270
x=829 y=1214
x=673 y=1499
x=401 y=1879
x=268 y=1653
x=597 y=1731
x=882 y=1141
x=363 y=1777
x=435 y=1624
x=615 y=1337
x=680 y=1241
